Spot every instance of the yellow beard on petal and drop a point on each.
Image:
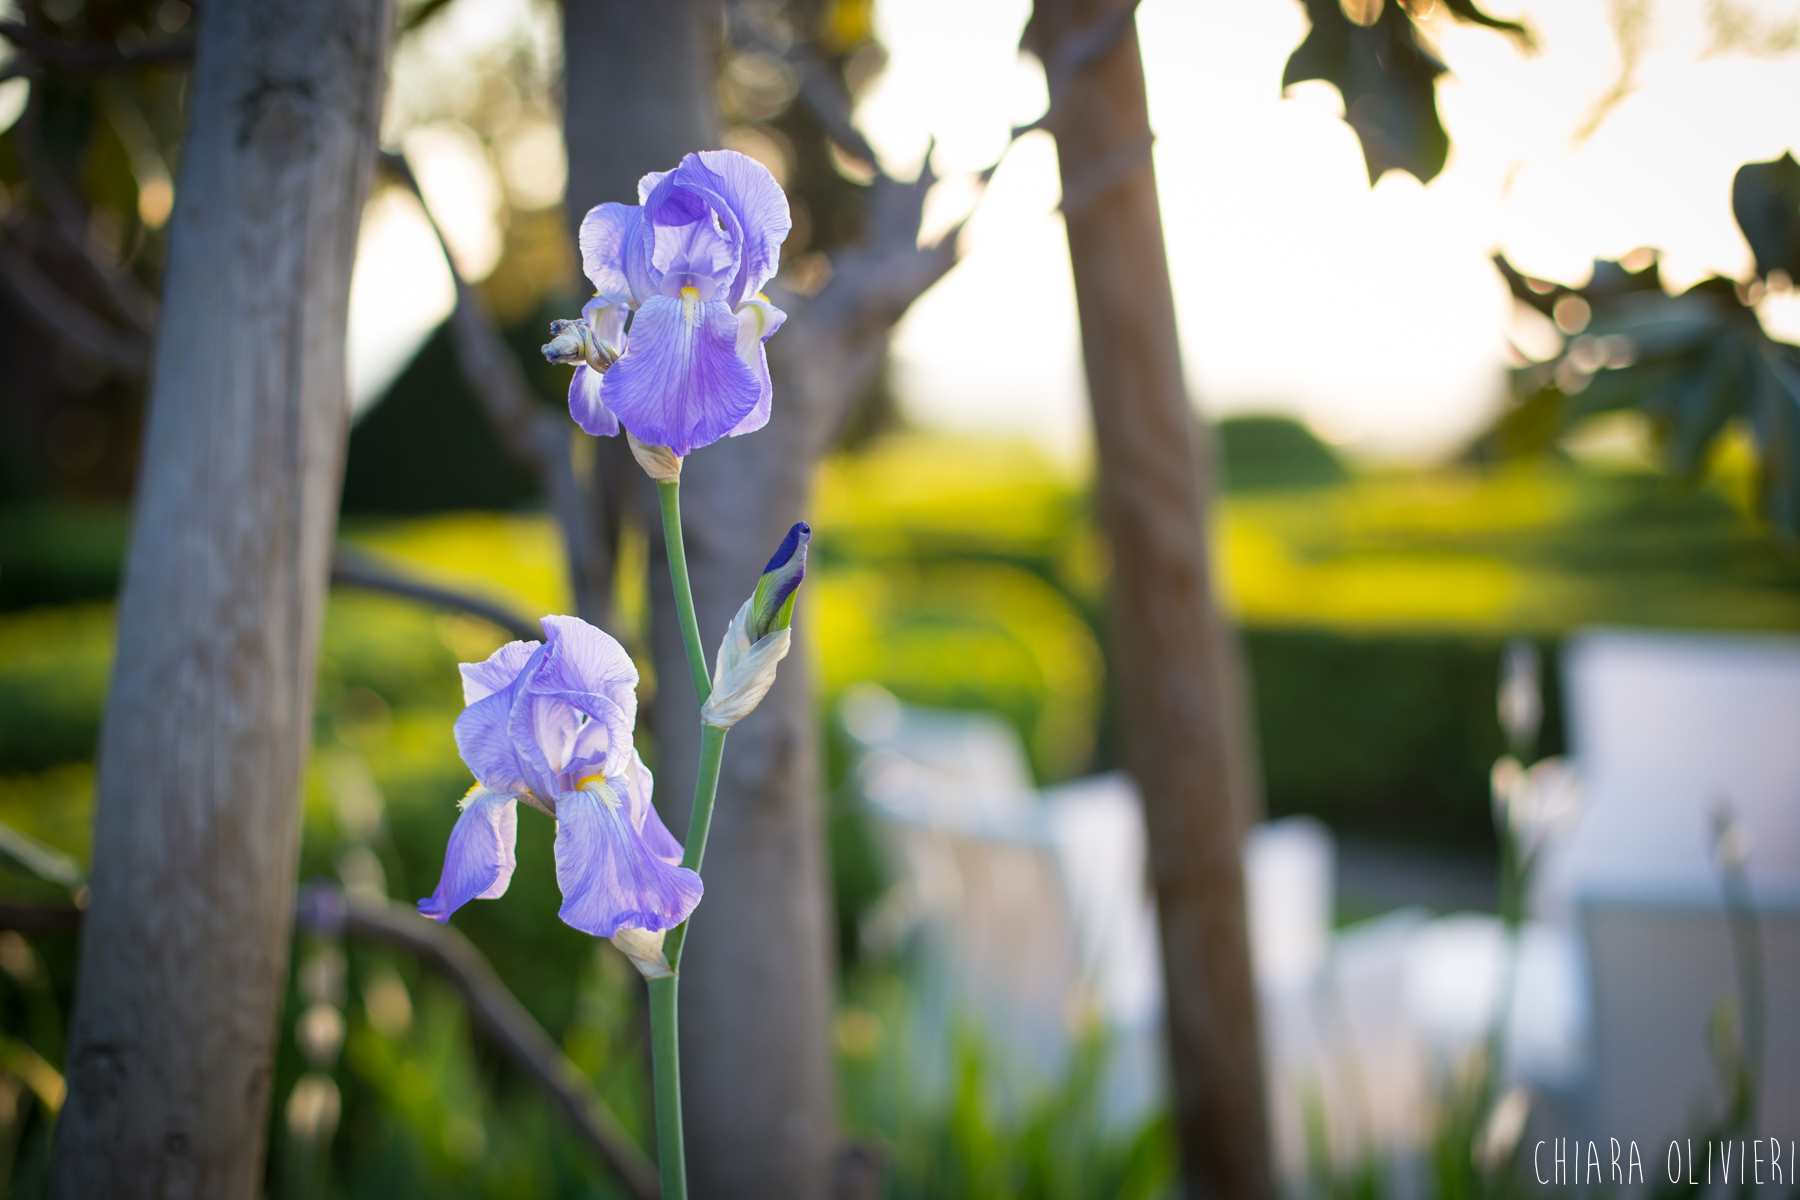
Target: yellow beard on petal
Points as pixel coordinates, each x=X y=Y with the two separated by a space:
x=690 y=305
x=596 y=784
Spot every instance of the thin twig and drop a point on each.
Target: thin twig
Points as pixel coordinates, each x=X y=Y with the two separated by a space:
x=69 y=318
x=95 y=56
x=821 y=88
x=324 y=908
x=40 y=919
x=534 y=436
x=69 y=220
x=352 y=568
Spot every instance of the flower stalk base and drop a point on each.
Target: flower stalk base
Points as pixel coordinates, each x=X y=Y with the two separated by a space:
x=665 y=1062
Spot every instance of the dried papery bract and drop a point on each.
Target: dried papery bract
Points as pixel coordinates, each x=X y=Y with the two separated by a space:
x=659 y=462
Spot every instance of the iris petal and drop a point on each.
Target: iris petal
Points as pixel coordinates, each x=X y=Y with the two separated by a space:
x=498 y=672
x=484 y=740
x=681 y=383
x=610 y=879
x=757 y=322
x=479 y=861
x=585 y=405
x=745 y=187
x=612 y=252
x=644 y=816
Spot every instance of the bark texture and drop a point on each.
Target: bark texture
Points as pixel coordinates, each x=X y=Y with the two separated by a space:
x=1176 y=677
x=185 y=947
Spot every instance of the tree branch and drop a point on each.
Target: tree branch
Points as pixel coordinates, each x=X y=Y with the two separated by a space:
x=323 y=908
x=532 y=435
x=69 y=220
x=95 y=56
x=353 y=568
x=820 y=87
x=68 y=318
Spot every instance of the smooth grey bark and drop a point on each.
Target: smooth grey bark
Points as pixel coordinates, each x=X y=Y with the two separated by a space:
x=757 y=984
x=196 y=835
x=1181 y=704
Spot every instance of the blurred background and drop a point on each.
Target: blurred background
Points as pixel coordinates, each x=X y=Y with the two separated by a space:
x=1474 y=513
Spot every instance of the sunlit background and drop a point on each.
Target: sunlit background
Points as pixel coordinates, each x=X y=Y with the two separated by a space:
x=1373 y=314
x=1380 y=552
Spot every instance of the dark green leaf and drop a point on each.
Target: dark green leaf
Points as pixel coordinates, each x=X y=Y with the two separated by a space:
x=1465 y=10
x=1765 y=198
x=1387 y=79
x=1775 y=422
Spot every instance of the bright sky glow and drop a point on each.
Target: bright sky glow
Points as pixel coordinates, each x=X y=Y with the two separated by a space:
x=1372 y=313
x=389 y=323
x=445 y=80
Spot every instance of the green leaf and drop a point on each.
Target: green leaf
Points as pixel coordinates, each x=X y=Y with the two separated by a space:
x=1775 y=422
x=1387 y=79
x=1465 y=10
x=1765 y=198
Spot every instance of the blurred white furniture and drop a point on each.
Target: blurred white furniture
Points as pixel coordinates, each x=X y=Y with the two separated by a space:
x=1029 y=914
x=1665 y=728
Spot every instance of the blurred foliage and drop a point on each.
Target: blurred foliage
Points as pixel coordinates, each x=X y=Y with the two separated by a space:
x=1699 y=365
x=55 y=554
x=953 y=572
x=86 y=188
x=963 y=1137
x=427 y=446
x=1377 y=56
x=1260 y=452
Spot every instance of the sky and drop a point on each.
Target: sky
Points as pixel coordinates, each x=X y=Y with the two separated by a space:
x=1373 y=314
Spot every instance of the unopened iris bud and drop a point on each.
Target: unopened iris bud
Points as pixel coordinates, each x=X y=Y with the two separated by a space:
x=659 y=462
x=759 y=636
x=772 y=605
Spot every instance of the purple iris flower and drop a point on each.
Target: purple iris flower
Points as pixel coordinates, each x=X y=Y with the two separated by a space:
x=550 y=723
x=686 y=267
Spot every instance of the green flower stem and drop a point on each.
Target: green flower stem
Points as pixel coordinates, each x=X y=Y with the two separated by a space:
x=706 y=788
x=670 y=495
x=665 y=1061
x=665 y=1056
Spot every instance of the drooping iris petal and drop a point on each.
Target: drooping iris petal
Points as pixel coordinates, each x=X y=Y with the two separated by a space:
x=610 y=879
x=612 y=252
x=644 y=816
x=682 y=384
x=746 y=188
x=757 y=322
x=497 y=673
x=585 y=405
x=479 y=861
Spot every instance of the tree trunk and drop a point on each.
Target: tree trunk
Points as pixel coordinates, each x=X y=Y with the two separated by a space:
x=185 y=948
x=1172 y=661
x=756 y=992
